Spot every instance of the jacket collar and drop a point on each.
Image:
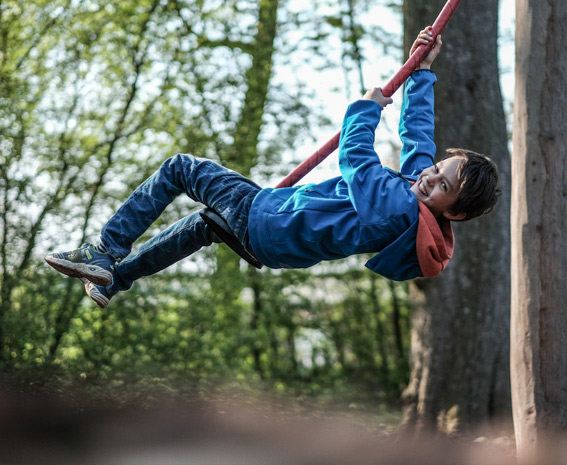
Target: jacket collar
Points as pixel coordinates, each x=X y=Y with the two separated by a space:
x=435 y=242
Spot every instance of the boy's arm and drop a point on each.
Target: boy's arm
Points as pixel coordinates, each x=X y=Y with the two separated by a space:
x=373 y=191
x=356 y=144
x=417 y=121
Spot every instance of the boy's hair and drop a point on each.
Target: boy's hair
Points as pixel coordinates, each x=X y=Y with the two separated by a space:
x=479 y=191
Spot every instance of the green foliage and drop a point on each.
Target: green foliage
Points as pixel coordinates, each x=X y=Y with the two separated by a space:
x=94 y=96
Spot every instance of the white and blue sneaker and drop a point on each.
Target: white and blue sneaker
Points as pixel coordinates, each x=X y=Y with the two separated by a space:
x=95 y=294
x=89 y=262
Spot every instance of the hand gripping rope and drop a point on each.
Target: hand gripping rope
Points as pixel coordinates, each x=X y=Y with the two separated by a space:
x=388 y=90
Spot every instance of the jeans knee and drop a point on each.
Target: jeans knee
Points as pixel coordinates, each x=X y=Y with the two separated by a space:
x=188 y=163
x=180 y=159
x=178 y=168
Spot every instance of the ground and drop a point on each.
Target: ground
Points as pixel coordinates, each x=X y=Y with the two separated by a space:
x=229 y=428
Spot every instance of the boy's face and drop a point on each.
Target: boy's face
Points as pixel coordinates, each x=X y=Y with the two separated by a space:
x=438 y=187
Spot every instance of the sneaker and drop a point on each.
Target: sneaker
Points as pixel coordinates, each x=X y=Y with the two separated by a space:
x=87 y=262
x=93 y=292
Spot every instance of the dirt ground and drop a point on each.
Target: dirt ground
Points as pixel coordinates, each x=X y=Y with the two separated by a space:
x=55 y=429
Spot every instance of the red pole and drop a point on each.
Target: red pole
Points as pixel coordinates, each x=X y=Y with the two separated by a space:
x=388 y=90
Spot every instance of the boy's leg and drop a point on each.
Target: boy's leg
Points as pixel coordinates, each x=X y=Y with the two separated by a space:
x=168 y=247
x=175 y=243
x=226 y=191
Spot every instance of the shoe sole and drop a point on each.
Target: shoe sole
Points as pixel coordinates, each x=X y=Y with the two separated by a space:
x=101 y=300
x=93 y=273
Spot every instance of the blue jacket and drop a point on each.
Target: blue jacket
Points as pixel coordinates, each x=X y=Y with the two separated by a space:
x=368 y=209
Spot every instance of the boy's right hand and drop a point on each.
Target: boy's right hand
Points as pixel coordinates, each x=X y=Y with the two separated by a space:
x=425 y=37
x=376 y=95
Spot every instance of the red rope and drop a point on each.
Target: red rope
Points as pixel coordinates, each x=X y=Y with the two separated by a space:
x=388 y=90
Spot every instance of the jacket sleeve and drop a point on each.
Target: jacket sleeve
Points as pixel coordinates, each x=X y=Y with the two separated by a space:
x=417 y=123
x=373 y=191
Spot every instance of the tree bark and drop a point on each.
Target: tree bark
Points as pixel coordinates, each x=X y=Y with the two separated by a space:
x=460 y=345
x=539 y=258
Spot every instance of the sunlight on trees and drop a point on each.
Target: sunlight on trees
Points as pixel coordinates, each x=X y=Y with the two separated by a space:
x=95 y=95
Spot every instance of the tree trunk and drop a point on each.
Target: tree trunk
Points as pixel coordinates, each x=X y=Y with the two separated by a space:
x=539 y=259
x=460 y=345
x=243 y=155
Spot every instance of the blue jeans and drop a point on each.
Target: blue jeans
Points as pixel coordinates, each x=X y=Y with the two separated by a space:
x=228 y=193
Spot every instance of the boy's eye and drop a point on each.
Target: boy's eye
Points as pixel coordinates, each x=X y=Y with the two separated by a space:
x=444 y=186
x=436 y=168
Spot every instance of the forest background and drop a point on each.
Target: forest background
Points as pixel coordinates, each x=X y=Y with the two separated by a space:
x=94 y=96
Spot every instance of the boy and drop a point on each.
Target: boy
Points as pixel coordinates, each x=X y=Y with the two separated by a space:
x=404 y=216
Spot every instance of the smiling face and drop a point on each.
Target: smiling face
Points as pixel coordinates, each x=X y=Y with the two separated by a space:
x=438 y=187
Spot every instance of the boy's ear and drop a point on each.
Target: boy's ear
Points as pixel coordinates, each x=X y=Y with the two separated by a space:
x=457 y=217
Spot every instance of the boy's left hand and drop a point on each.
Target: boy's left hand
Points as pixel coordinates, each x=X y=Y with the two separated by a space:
x=425 y=37
x=376 y=95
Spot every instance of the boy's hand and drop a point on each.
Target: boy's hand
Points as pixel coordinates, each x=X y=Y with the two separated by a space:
x=376 y=95
x=425 y=37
